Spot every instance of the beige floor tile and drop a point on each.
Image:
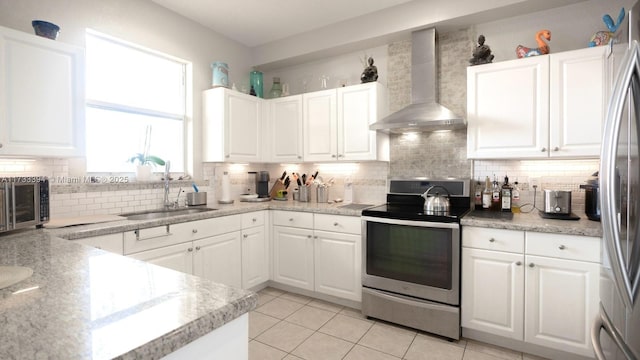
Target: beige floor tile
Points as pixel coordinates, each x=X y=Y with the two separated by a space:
x=325 y=305
x=292 y=357
x=476 y=355
x=271 y=291
x=279 y=308
x=260 y=351
x=264 y=298
x=426 y=347
x=364 y=353
x=388 y=339
x=496 y=351
x=297 y=298
x=259 y=322
x=532 y=357
x=353 y=313
x=459 y=343
x=346 y=328
x=322 y=347
x=310 y=317
x=284 y=336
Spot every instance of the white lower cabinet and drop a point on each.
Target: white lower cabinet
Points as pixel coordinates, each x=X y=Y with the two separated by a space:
x=318 y=252
x=539 y=288
x=110 y=242
x=255 y=250
x=177 y=257
x=219 y=258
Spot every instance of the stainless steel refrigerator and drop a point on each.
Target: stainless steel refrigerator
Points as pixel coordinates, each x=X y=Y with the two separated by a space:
x=616 y=331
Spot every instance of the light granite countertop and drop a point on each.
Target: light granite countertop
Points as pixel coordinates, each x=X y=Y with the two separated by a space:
x=85 y=303
x=532 y=221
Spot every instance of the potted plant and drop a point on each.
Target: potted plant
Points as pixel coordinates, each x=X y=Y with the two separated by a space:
x=144 y=161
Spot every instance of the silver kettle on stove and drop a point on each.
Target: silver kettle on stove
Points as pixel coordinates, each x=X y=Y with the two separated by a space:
x=436 y=204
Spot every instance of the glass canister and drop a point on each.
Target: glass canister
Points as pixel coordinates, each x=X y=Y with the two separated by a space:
x=276 y=89
x=255 y=81
x=220 y=74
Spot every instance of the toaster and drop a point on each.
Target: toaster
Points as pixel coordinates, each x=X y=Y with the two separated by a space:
x=557 y=202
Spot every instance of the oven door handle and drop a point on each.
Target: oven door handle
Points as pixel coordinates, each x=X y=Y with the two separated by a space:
x=430 y=224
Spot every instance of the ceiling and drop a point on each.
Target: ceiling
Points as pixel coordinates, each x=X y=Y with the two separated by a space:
x=258 y=22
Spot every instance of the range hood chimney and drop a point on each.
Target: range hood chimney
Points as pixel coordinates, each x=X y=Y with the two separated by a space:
x=424 y=113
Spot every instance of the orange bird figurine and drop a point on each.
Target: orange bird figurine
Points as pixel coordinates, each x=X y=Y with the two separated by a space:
x=542 y=49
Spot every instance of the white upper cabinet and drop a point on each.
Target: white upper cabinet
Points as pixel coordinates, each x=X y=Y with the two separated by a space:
x=539 y=107
x=336 y=124
x=41 y=96
x=232 y=126
x=285 y=129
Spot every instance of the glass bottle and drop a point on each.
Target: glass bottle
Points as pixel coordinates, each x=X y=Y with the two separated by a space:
x=515 y=198
x=276 y=89
x=495 y=195
x=486 y=194
x=478 y=195
x=506 y=195
x=255 y=80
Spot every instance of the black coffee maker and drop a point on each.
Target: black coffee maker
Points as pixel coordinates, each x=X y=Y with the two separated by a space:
x=262 y=184
x=592 y=198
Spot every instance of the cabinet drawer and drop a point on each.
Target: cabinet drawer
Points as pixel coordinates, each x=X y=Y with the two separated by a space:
x=253 y=219
x=338 y=223
x=293 y=219
x=110 y=242
x=570 y=247
x=153 y=238
x=194 y=230
x=493 y=239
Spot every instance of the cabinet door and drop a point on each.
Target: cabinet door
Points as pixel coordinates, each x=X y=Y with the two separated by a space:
x=177 y=257
x=218 y=258
x=562 y=301
x=492 y=292
x=255 y=257
x=243 y=131
x=320 y=124
x=578 y=81
x=508 y=109
x=231 y=129
x=285 y=129
x=111 y=242
x=337 y=262
x=293 y=257
x=357 y=108
x=41 y=97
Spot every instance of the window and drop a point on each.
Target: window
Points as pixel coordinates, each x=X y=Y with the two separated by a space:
x=129 y=88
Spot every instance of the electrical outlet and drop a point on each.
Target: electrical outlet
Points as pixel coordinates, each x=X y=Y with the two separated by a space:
x=534 y=182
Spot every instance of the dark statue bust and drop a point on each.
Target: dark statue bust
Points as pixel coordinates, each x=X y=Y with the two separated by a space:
x=370 y=73
x=482 y=53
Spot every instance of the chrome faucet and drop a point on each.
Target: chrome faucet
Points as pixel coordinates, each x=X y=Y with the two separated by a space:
x=166 y=202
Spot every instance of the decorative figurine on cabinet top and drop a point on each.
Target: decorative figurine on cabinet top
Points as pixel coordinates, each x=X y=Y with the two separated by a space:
x=542 y=49
x=604 y=37
x=482 y=53
x=370 y=73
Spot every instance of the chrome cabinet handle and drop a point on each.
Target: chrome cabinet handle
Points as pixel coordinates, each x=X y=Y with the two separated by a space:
x=561 y=247
x=227 y=156
x=290 y=219
x=308 y=236
x=532 y=265
x=245 y=236
x=518 y=263
x=341 y=155
x=254 y=219
x=0 y=145
x=556 y=149
x=335 y=224
x=197 y=248
x=544 y=149
x=333 y=156
x=195 y=231
x=492 y=240
x=299 y=157
x=190 y=249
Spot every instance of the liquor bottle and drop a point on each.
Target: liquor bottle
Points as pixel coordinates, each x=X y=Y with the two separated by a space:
x=515 y=198
x=495 y=195
x=478 y=195
x=486 y=194
x=506 y=195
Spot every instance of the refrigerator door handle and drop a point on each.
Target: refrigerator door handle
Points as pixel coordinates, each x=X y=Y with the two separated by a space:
x=603 y=322
x=629 y=68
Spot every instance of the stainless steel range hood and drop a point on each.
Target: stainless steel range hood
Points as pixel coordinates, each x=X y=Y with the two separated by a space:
x=424 y=113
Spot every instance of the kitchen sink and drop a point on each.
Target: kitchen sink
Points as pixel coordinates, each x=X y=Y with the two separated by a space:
x=164 y=213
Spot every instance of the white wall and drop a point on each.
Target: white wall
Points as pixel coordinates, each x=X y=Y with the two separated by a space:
x=144 y=23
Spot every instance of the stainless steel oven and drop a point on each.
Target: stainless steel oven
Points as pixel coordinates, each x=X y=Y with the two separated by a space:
x=411 y=260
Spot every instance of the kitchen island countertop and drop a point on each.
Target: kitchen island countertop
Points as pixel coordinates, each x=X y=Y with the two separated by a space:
x=85 y=303
x=532 y=221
